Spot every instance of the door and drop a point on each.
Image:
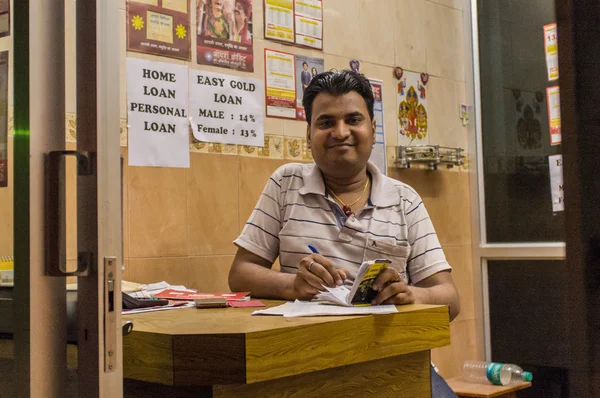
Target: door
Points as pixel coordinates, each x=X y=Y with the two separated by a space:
x=66 y=201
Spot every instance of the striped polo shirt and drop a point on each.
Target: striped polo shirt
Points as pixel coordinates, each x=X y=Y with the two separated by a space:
x=294 y=210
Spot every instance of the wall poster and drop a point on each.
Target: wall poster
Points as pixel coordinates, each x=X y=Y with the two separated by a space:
x=378 y=155
x=3 y=119
x=306 y=69
x=553 y=99
x=226 y=109
x=159 y=27
x=4 y=18
x=551 y=50
x=280 y=84
x=224 y=34
x=297 y=22
x=157 y=114
x=555 y=163
x=411 y=101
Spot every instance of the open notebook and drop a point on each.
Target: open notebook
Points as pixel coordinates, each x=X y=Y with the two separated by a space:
x=361 y=292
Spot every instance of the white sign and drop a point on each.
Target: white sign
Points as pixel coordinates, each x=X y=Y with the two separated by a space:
x=556 y=182
x=551 y=50
x=378 y=155
x=157 y=110
x=226 y=109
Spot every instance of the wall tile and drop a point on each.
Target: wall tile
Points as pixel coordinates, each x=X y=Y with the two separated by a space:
x=342 y=31
x=449 y=3
x=450 y=359
x=209 y=274
x=294 y=128
x=212 y=204
x=445 y=125
x=459 y=258
x=445 y=42
x=293 y=148
x=411 y=41
x=377 y=23
x=173 y=270
x=157 y=211
x=254 y=174
x=446 y=197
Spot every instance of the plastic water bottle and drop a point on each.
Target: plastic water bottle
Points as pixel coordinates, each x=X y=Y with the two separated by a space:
x=494 y=373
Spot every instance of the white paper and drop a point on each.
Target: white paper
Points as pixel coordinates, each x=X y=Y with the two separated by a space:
x=553 y=100
x=226 y=109
x=556 y=182
x=378 y=155
x=306 y=308
x=309 y=23
x=279 y=20
x=157 y=109
x=162 y=308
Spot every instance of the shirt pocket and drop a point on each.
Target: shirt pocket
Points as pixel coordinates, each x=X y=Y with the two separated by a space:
x=396 y=253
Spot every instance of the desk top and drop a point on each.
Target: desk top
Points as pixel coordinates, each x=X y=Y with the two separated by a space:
x=228 y=345
x=195 y=321
x=465 y=389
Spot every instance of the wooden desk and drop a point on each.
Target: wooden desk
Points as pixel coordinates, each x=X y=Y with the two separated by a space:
x=233 y=354
x=465 y=389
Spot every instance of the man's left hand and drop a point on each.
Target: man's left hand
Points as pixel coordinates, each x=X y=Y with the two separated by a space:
x=392 y=289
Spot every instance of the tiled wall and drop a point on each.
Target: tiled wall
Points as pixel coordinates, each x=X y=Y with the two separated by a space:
x=179 y=224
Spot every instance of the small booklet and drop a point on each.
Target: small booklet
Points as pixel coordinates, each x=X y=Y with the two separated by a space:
x=171 y=294
x=361 y=292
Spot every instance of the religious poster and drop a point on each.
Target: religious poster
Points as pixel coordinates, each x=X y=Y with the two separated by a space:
x=159 y=27
x=4 y=18
x=553 y=99
x=378 y=155
x=224 y=34
x=306 y=69
x=279 y=20
x=226 y=109
x=529 y=109
x=555 y=163
x=3 y=119
x=308 y=16
x=411 y=103
x=280 y=84
x=158 y=124
x=551 y=51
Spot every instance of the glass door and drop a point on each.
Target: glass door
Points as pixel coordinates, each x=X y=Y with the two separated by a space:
x=519 y=233
x=60 y=202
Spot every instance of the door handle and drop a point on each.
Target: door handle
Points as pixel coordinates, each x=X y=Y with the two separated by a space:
x=55 y=225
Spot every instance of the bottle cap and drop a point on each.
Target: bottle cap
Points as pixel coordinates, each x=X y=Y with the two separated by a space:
x=527 y=376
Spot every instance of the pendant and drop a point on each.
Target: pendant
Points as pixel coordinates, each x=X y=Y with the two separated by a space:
x=347 y=211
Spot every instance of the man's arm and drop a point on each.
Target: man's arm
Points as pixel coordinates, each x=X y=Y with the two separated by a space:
x=253 y=273
x=438 y=288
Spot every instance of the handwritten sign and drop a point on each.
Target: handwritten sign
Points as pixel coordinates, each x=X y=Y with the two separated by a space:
x=157 y=97
x=556 y=182
x=226 y=109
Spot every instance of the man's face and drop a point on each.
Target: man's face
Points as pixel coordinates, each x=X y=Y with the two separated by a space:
x=305 y=67
x=341 y=134
x=238 y=12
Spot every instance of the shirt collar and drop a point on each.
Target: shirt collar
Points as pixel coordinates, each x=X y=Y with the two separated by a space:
x=383 y=191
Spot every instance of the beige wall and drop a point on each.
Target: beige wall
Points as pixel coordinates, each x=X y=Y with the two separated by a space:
x=179 y=223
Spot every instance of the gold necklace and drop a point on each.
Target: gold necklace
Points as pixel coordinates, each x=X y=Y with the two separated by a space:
x=347 y=209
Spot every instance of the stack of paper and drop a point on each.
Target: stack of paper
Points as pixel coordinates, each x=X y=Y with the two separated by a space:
x=149 y=290
x=306 y=308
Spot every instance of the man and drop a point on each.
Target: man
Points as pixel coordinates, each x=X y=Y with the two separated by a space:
x=214 y=21
x=241 y=16
x=343 y=205
x=305 y=76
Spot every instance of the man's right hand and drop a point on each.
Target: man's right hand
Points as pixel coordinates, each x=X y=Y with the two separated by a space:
x=314 y=272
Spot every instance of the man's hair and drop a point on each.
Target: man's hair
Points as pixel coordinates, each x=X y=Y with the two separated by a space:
x=337 y=83
x=305 y=63
x=245 y=6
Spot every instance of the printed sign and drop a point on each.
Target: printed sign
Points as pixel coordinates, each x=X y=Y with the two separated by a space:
x=556 y=182
x=279 y=20
x=553 y=100
x=157 y=102
x=3 y=119
x=306 y=69
x=412 y=108
x=159 y=27
x=224 y=34
x=280 y=84
x=309 y=23
x=551 y=50
x=226 y=109
x=378 y=155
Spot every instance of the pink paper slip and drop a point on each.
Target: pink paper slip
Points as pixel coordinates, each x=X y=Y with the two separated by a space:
x=249 y=303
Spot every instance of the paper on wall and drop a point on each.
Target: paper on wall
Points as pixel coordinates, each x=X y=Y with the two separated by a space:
x=556 y=182
x=378 y=155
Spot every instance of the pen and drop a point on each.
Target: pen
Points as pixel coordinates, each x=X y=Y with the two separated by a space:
x=313 y=249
